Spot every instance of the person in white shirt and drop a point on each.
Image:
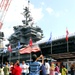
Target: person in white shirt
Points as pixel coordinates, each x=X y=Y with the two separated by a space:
x=24 y=68
x=47 y=66
x=1 y=70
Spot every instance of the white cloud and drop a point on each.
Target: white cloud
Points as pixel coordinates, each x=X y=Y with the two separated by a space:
x=42 y=3
x=14 y=17
x=36 y=13
x=5 y=42
x=7 y=31
x=66 y=10
x=15 y=10
x=56 y=13
x=49 y=10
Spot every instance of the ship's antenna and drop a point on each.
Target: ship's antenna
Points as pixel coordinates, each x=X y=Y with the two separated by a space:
x=28 y=3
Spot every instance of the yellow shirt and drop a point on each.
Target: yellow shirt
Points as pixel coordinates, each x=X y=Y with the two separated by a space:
x=64 y=71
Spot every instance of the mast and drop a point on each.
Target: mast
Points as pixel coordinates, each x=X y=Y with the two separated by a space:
x=27 y=15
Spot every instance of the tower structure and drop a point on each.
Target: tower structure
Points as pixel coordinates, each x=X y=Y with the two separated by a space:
x=23 y=33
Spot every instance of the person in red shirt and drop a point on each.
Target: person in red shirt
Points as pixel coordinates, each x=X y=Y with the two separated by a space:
x=12 y=69
x=17 y=70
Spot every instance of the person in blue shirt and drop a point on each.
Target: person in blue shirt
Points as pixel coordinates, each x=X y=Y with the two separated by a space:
x=43 y=70
x=34 y=67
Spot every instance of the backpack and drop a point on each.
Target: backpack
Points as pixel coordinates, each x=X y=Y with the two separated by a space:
x=42 y=70
x=57 y=69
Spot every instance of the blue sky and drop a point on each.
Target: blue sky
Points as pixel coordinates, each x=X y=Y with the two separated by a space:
x=58 y=14
x=51 y=15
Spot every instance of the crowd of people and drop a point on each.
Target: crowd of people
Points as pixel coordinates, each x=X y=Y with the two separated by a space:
x=14 y=68
x=35 y=67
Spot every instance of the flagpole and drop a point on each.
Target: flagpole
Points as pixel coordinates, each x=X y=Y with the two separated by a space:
x=2 y=59
x=50 y=41
x=30 y=57
x=30 y=54
x=30 y=44
x=18 y=56
x=18 y=50
x=10 y=58
x=41 y=51
x=67 y=46
x=10 y=50
x=67 y=39
x=51 y=47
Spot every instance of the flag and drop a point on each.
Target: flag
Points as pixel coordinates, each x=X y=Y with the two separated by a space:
x=35 y=48
x=29 y=49
x=25 y=50
x=18 y=45
x=67 y=35
x=5 y=50
x=50 y=39
x=9 y=48
x=30 y=42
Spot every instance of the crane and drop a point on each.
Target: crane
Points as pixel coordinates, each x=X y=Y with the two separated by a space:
x=4 y=5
